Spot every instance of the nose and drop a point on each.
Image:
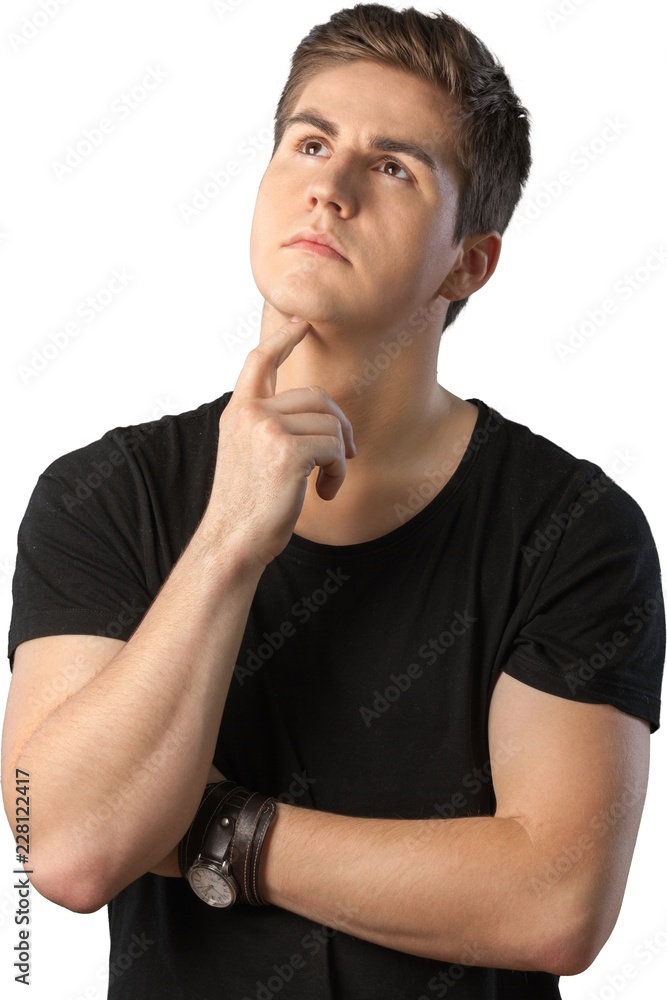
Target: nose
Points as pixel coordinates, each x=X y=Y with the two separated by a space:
x=332 y=187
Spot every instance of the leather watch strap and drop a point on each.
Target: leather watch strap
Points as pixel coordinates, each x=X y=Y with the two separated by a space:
x=254 y=819
x=250 y=815
x=188 y=848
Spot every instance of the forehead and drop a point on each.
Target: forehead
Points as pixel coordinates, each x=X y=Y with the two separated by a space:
x=365 y=98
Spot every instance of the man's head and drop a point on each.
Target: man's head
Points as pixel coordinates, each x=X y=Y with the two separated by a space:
x=484 y=127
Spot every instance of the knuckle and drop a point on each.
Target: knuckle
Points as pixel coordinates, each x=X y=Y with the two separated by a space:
x=272 y=428
x=321 y=393
x=256 y=352
x=335 y=425
x=283 y=447
x=248 y=411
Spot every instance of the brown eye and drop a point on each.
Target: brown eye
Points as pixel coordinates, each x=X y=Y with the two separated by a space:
x=306 y=143
x=395 y=163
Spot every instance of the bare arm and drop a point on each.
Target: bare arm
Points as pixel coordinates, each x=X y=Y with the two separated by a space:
x=538 y=886
x=168 y=866
x=118 y=769
x=118 y=766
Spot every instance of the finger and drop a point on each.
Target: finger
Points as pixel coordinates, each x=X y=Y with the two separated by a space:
x=320 y=430
x=327 y=483
x=257 y=379
x=327 y=455
x=309 y=400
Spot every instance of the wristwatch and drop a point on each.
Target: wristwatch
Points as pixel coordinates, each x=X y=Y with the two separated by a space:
x=230 y=826
x=206 y=875
x=210 y=875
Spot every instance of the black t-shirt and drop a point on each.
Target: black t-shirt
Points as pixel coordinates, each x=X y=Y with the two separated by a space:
x=363 y=679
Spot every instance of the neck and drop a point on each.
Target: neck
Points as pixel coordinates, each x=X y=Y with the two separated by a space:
x=388 y=390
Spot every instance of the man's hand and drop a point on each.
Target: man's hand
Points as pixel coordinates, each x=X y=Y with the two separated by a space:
x=267 y=447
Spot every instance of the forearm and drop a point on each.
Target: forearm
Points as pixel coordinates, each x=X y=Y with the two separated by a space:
x=118 y=770
x=168 y=866
x=457 y=890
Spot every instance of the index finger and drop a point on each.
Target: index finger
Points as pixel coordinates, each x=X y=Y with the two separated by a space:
x=257 y=378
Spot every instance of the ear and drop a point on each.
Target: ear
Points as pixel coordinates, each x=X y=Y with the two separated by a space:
x=475 y=263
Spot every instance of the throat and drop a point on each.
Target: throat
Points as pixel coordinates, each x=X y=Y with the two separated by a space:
x=366 y=508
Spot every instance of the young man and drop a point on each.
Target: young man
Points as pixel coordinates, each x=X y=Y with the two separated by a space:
x=439 y=658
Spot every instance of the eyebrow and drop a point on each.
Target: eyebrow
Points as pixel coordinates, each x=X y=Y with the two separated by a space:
x=380 y=142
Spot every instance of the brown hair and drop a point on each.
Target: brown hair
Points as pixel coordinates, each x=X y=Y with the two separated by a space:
x=489 y=129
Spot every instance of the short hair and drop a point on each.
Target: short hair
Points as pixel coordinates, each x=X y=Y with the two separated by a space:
x=489 y=128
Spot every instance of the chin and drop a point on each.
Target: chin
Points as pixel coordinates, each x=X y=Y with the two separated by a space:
x=293 y=296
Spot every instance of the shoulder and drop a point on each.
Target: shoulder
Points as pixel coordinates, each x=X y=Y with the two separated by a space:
x=534 y=473
x=157 y=444
x=131 y=465
x=152 y=437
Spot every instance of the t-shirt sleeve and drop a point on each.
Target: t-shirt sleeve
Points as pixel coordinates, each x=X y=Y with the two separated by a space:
x=595 y=630
x=78 y=566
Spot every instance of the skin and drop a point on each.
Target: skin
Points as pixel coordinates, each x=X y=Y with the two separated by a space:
x=538 y=885
x=394 y=219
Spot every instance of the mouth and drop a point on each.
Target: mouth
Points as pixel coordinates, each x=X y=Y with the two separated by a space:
x=321 y=244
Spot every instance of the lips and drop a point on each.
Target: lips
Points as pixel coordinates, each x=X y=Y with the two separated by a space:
x=323 y=239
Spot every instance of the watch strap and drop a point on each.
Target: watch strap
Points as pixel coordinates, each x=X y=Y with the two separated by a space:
x=252 y=823
x=188 y=848
x=217 y=835
x=239 y=841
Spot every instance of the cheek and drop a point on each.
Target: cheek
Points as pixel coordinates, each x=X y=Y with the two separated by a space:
x=260 y=230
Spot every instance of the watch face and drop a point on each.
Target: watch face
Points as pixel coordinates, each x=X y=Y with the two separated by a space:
x=211 y=886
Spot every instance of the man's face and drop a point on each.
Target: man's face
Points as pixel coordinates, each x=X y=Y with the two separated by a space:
x=390 y=213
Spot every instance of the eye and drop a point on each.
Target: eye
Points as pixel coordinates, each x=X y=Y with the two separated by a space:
x=305 y=143
x=400 y=166
x=308 y=142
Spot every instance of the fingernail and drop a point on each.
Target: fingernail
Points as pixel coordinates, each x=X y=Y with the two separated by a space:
x=296 y=319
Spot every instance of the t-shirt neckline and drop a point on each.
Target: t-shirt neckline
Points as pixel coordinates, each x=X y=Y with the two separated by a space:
x=299 y=546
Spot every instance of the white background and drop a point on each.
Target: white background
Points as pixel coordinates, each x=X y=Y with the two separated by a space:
x=160 y=345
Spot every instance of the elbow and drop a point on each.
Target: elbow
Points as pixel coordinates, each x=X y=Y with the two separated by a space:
x=568 y=958
x=74 y=888
x=78 y=901
x=574 y=946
